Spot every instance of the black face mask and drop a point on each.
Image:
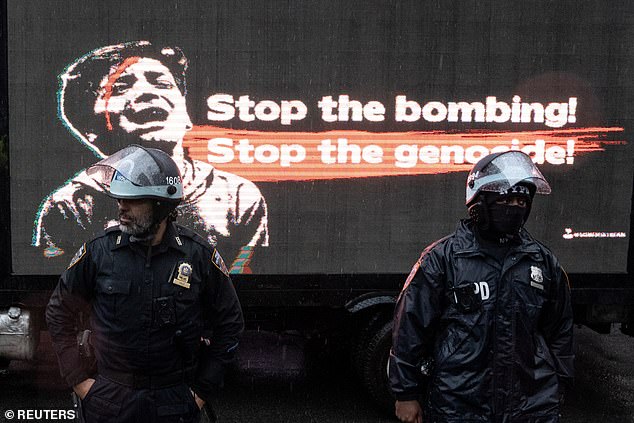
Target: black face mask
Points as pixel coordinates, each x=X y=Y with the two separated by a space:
x=504 y=219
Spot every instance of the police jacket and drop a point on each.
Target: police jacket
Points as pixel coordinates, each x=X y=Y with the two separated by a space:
x=499 y=335
x=149 y=308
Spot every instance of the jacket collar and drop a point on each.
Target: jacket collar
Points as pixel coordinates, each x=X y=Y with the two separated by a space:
x=171 y=239
x=466 y=242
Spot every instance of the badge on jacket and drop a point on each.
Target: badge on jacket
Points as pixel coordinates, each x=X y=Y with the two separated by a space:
x=537 y=278
x=183 y=272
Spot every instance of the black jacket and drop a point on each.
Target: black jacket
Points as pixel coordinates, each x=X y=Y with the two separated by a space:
x=142 y=321
x=499 y=334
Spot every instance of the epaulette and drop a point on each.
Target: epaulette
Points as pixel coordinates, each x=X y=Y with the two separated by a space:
x=113 y=228
x=539 y=244
x=104 y=236
x=438 y=243
x=194 y=236
x=106 y=232
x=100 y=238
x=544 y=250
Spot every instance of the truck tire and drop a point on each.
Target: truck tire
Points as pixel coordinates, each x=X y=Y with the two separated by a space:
x=360 y=342
x=374 y=367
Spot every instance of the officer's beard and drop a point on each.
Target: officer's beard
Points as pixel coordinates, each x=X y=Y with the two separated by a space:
x=139 y=226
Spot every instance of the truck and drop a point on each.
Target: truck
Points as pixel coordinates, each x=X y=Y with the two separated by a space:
x=343 y=133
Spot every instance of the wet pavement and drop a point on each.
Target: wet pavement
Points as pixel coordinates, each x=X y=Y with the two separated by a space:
x=277 y=382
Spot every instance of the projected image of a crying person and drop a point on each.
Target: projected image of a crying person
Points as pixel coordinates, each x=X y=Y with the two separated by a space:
x=135 y=93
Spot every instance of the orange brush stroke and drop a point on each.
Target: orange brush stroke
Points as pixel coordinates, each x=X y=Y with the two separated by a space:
x=111 y=80
x=586 y=140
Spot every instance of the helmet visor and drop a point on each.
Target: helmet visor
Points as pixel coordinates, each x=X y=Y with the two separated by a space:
x=132 y=163
x=508 y=170
x=135 y=173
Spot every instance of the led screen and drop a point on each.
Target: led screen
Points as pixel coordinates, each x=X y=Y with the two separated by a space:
x=321 y=137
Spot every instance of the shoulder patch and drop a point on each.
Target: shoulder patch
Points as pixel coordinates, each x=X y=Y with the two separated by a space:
x=78 y=256
x=219 y=262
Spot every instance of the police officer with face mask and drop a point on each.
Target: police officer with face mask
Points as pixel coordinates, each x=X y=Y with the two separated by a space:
x=483 y=326
x=164 y=315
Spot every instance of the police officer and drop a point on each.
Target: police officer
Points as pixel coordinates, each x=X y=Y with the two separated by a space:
x=483 y=325
x=164 y=315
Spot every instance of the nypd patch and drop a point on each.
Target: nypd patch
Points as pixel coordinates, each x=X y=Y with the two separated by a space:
x=219 y=263
x=78 y=256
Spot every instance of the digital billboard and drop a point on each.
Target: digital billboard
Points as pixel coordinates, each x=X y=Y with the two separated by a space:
x=321 y=137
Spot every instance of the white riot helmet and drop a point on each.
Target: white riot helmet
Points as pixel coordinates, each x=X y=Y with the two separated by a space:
x=136 y=172
x=502 y=172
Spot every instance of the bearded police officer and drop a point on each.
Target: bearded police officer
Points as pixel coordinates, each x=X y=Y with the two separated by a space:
x=164 y=315
x=483 y=326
